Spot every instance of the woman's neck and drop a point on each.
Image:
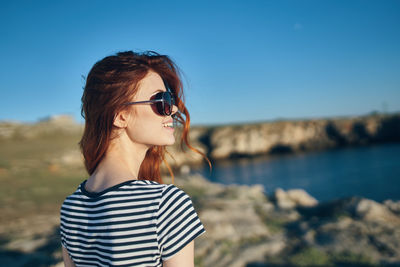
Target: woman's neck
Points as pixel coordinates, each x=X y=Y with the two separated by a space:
x=121 y=163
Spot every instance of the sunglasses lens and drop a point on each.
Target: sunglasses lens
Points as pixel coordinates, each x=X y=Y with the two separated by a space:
x=164 y=107
x=167 y=103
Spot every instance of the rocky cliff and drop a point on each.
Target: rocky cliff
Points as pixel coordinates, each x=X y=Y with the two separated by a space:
x=294 y=136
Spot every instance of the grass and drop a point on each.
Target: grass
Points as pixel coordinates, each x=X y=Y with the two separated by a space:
x=274 y=224
x=198 y=261
x=347 y=258
x=310 y=257
x=32 y=182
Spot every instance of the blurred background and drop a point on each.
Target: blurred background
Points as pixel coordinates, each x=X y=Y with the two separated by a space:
x=296 y=104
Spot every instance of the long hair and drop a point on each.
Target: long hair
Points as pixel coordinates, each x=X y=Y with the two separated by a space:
x=110 y=83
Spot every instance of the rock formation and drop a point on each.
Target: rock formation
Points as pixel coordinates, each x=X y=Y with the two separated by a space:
x=296 y=136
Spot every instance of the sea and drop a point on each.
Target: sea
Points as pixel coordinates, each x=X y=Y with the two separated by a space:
x=369 y=171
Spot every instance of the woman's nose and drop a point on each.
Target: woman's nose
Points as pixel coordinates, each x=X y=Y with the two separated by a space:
x=174 y=109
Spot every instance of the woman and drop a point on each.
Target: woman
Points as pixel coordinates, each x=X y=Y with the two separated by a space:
x=123 y=215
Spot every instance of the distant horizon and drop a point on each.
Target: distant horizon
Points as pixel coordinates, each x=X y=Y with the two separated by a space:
x=372 y=113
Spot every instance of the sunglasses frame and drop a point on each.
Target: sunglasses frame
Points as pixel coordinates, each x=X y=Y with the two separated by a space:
x=155 y=101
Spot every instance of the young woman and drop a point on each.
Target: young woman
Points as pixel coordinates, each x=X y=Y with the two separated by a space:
x=123 y=215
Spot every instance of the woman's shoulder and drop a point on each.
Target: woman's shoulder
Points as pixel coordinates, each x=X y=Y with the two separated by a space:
x=167 y=189
x=128 y=187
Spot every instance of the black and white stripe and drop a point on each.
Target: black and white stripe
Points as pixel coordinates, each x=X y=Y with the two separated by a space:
x=135 y=223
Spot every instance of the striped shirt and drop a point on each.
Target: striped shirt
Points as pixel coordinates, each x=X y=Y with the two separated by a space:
x=135 y=223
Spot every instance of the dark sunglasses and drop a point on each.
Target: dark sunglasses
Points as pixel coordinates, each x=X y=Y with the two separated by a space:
x=162 y=103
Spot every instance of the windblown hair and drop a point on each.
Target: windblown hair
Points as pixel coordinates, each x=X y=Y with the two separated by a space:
x=112 y=82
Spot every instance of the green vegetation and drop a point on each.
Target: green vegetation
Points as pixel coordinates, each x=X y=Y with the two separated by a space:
x=310 y=257
x=198 y=261
x=274 y=224
x=226 y=247
x=34 y=180
x=347 y=258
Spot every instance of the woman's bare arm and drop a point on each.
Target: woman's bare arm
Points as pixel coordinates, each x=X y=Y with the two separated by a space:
x=67 y=260
x=184 y=258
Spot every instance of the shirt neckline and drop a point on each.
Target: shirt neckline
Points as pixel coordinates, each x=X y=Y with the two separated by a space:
x=97 y=194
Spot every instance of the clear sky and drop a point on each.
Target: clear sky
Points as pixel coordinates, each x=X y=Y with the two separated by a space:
x=243 y=61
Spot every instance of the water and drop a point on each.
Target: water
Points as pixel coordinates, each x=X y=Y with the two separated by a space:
x=372 y=172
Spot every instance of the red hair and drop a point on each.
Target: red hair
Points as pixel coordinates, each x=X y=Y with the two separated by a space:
x=112 y=82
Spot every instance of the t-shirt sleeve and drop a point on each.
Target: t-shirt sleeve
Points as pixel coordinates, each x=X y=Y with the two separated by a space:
x=177 y=222
x=63 y=242
x=62 y=232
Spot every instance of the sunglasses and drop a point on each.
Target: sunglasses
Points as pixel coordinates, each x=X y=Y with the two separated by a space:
x=162 y=103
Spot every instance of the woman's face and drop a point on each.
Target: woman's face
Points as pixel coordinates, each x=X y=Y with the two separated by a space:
x=145 y=126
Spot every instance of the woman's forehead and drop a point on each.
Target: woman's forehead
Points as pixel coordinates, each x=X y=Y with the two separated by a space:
x=150 y=84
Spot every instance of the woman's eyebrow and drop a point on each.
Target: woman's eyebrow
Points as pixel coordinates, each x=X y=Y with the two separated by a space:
x=156 y=91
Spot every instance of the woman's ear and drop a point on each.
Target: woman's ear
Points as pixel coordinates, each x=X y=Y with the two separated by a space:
x=121 y=119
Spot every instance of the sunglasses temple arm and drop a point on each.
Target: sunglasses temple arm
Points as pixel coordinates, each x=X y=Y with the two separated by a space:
x=143 y=102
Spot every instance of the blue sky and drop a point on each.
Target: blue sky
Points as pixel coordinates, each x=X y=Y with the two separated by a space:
x=243 y=61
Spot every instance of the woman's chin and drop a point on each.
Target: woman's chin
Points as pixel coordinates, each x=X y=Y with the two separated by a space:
x=171 y=141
